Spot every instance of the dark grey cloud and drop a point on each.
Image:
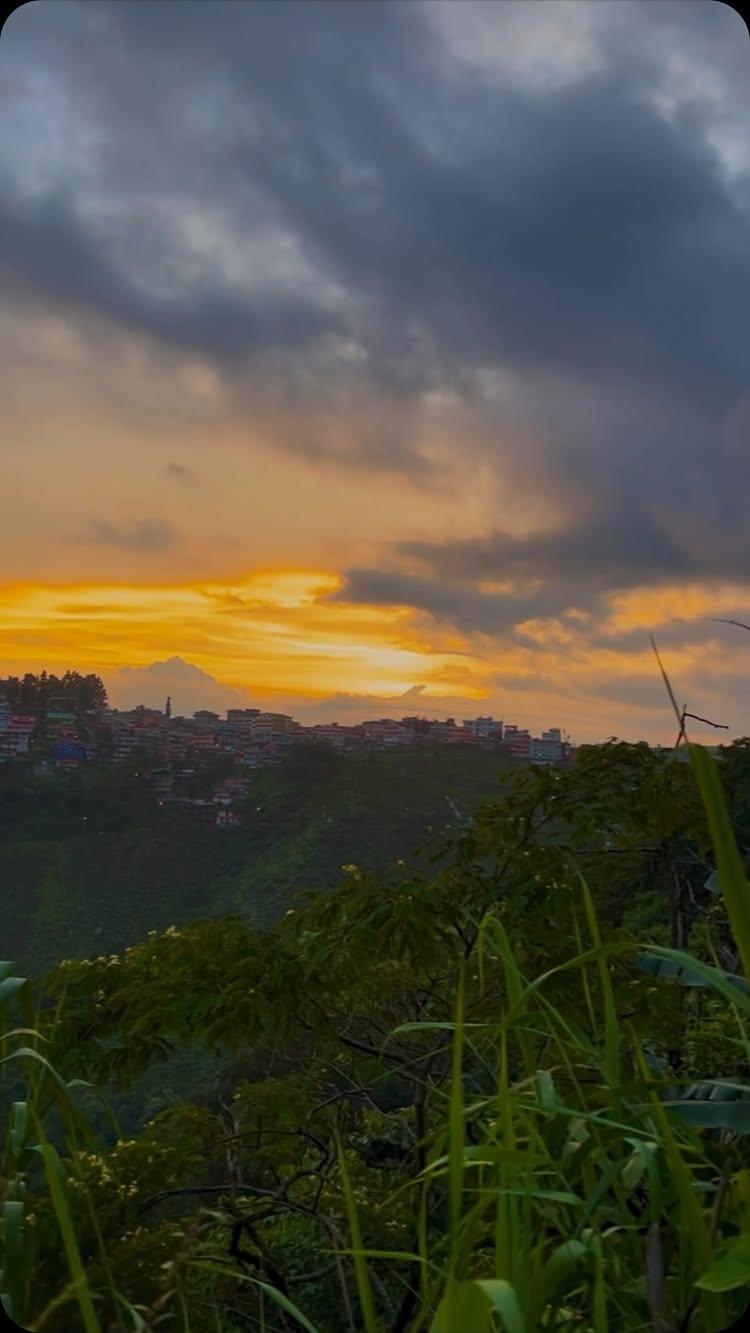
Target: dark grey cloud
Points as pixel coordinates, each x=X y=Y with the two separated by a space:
x=52 y=257
x=581 y=230
x=338 y=215
x=575 y=567
x=458 y=602
x=150 y=536
x=608 y=552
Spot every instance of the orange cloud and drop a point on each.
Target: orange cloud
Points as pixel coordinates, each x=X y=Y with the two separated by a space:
x=641 y=607
x=271 y=631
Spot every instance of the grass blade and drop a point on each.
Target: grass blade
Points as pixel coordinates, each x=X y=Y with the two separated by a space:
x=54 y=1173
x=364 y=1288
x=731 y=872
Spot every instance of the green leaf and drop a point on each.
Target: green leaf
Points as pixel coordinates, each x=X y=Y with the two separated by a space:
x=364 y=1288
x=731 y=872
x=9 y=987
x=712 y=883
x=730 y=1271
x=715 y=1104
x=684 y=973
x=503 y=1299
x=456 y=1129
x=55 y=1175
x=464 y=1306
x=19 y=1120
x=555 y=1196
x=435 y=1027
x=563 y=1261
x=712 y=976
x=225 y=1271
x=13 y=1257
x=490 y=1154
x=611 y=1026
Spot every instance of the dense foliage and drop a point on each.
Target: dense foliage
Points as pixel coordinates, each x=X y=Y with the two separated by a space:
x=511 y=1075
x=35 y=694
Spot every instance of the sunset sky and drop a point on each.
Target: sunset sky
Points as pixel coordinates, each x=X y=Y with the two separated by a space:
x=364 y=349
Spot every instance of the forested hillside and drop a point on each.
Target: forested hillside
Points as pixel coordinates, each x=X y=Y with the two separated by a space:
x=90 y=862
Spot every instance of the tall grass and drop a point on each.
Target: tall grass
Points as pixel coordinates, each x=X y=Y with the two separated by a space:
x=564 y=1149
x=33 y=1167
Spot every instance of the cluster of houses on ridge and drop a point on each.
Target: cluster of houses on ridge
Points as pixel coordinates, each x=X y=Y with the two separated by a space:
x=253 y=736
x=171 y=749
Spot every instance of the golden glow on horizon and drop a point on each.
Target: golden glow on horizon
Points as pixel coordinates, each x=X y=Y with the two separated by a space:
x=271 y=630
x=280 y=633
x=643 y=607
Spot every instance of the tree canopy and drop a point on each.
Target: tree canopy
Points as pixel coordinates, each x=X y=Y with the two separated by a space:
x=35 y=694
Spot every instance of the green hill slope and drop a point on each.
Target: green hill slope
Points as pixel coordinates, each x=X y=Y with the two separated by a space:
x=67 y=892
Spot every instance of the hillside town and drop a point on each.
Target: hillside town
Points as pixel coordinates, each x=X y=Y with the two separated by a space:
x=170 y=749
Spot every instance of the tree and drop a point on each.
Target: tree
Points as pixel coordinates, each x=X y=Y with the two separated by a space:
x=34 y=694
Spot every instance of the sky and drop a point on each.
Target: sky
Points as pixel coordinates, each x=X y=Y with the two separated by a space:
x=379 y=348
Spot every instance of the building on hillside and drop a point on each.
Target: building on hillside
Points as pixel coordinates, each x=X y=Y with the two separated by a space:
x=97 y=737
x=336 y=734
x=162 y=782
x=400 y=736
x=418 y=727
x=206 y=728
x=231 y=738
x=449 y=733
x=173 y=748
x=138 y=729
x=231 y=790
x=63 y=705
x=228 y=819
x=544 y=750
x=517 y=741
x=69 y=753
x=202 y=810
x=241 y=717
x=60 y=725
x=16 y=737
x=484 y=728
x=274 y=726
x=384 y=733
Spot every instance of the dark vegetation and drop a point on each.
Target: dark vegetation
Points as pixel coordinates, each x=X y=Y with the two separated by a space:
x=499 y=1084
x=34 y=695
x=90 y=862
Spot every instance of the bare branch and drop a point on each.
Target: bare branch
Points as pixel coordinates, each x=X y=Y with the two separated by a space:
x=718 y=620
x=724 y=726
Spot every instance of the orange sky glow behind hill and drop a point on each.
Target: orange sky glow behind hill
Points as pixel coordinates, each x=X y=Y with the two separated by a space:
x=273 y=632
x=277 y=636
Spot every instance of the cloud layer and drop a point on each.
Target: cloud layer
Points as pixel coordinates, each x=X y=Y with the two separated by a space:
x=490 y=252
